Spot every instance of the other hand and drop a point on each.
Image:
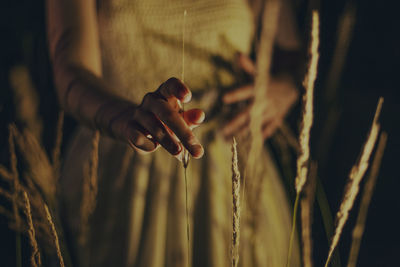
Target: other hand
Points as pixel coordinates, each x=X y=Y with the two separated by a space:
x=280 y=96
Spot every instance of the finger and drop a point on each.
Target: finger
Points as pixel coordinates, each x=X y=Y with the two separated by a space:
x=270 y=128
x=240 y=94
x=158 y=131
x=246 y=64
x=174 y=121
x=138 y=141
x=124 y=128
x=173 y=87
x=236 y=123
x=194 y=117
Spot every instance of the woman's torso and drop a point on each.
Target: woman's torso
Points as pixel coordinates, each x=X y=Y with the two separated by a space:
x=141 y=42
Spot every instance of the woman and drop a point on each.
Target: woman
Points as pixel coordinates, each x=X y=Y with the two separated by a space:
x=109 y=58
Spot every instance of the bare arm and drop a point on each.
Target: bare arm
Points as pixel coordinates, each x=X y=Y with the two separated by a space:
x=75 y=53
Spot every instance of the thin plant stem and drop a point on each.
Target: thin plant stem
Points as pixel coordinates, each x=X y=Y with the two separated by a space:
x=55 y=236
x=35 y=257
x=356 y=175
x=186 y=157
x=366 y=200
x=306 y=211
x=307 y=121
x=292 y=233
x=187 y=219
x=14 y=170
x=235 y=206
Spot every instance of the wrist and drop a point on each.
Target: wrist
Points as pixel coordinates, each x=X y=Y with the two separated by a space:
x=110 y=113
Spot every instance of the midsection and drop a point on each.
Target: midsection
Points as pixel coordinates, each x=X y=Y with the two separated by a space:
x=141 y=43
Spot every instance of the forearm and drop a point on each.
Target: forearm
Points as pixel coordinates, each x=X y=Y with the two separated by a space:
x=86 y=97
x=75 y=53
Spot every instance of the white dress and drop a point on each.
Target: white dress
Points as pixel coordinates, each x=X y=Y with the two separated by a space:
x=139 y=218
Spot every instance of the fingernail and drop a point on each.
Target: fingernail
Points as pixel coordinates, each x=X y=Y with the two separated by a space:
x=201 y=118
x=175 y=149
x=187 y=97
x=198 y=151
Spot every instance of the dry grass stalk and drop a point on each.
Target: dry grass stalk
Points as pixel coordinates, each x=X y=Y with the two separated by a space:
x=34 y=160
x=26 y=100
x=306 y=208
x=306 y=124
x=15 y=174
x=344 y=34
x=35 y=258
x=270 y=15
x=9 y=196
x=36 y=202
x=57 y=145
x=39 y=168
x=262 y=77
x=365 y=201
x=5 y=173
x=55 y=235
x=307 y=119
x=356 y=174
x=90 y=187
x=253 y=177
x=235 y=206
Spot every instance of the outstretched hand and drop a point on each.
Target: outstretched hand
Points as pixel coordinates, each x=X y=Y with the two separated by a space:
x=280 y=96
x=159 y=120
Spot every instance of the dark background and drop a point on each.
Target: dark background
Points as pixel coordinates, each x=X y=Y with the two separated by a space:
x=371 y=70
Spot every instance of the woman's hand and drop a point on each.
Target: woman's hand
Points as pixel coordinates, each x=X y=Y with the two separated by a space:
x=280 y=96
x=159 y=120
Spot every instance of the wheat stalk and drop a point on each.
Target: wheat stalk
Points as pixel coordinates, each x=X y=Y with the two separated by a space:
x=14 y=171
x=5 y=173
x=365 y=201
x=235 y=206
x=344 y=36
x=307 y=120
x=35 y=257
x=15 y=188
x=55 y=235
x=356 y=174
x=306 y=124
x=262 y=77
x=253 y=170
x=306 y=207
